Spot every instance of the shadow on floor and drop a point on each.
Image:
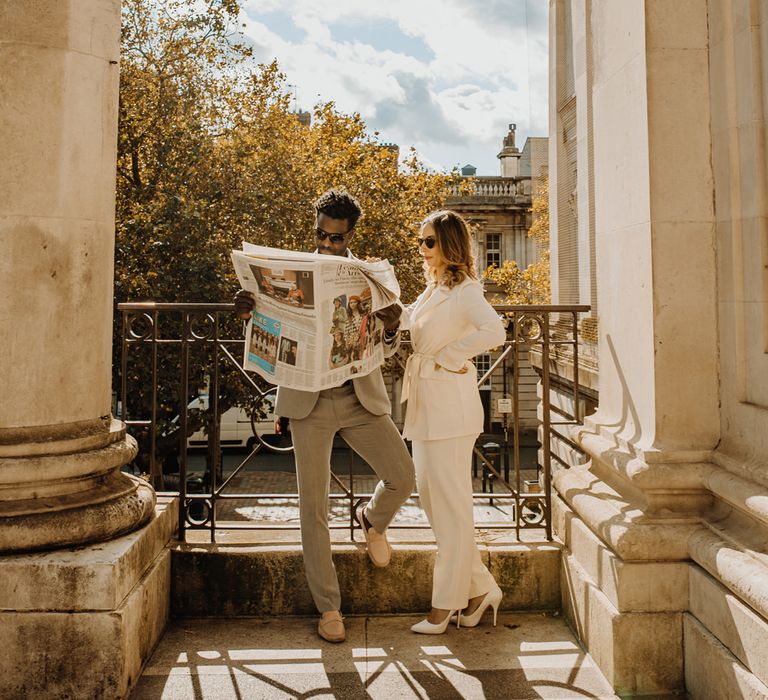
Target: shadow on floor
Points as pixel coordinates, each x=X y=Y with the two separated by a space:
x=526 y=656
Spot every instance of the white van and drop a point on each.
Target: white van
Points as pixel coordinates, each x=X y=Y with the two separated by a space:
x=236 y=428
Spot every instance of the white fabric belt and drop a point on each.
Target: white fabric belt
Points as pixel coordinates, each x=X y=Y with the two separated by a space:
x=410 y=375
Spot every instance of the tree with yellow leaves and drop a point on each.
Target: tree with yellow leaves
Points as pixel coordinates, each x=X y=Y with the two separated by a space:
x=210 y=154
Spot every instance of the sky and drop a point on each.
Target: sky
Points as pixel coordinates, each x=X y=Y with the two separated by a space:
x=444 y=76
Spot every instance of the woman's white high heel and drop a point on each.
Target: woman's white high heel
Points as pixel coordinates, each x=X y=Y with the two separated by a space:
x=492 y=599
x=427 y=627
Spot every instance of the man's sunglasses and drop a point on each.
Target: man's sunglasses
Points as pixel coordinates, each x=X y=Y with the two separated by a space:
x=321 y=235
x=429 y=242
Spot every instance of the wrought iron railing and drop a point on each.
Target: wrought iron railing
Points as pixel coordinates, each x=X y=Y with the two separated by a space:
x=170 y=349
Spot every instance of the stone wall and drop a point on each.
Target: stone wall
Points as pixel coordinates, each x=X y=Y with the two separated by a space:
x=726 y=627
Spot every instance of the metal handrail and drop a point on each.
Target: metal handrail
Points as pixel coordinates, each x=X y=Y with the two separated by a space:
x=170 y=327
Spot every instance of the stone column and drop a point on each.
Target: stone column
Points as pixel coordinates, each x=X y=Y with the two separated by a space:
x=655 y=231
x=60 y=449
x=626 y=515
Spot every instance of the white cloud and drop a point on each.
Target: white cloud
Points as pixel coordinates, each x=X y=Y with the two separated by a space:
x=460 y=71
x=317 y=31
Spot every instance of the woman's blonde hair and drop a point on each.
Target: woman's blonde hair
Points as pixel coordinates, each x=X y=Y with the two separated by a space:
x=455 y=245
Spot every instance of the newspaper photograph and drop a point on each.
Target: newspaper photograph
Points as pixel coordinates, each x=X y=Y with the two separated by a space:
x=314 y=324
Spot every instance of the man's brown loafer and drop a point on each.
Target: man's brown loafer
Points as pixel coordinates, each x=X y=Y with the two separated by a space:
x=377 y=545
x=331 y=627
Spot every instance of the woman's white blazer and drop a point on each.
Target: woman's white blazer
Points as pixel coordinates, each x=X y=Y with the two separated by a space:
x=448 y=327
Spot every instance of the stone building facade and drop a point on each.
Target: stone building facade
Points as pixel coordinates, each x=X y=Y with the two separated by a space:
x=659 y=220
x=498 y=207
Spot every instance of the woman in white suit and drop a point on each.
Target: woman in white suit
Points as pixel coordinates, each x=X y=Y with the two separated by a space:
x=450 y=323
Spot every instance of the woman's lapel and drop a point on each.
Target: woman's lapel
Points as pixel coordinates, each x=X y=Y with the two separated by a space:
x=438 y=296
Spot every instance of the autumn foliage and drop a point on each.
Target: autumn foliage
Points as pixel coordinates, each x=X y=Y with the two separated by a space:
x=530 y=285
x=211 y=154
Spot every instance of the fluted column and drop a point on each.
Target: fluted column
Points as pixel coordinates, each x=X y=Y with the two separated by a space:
x=60 y=449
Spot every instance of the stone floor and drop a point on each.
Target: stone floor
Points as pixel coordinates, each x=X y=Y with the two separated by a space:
x=526 y=656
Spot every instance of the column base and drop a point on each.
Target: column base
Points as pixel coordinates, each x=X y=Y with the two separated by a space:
x=128 y=504
x=65 y=488
x=638 y=652
x=82 y=622
x=674 y=542
x=628 y=614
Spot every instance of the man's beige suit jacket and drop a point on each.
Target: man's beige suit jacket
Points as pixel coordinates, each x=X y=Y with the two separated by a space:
x=370 y=389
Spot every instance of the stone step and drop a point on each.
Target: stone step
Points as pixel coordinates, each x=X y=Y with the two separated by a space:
x=267 y=578
x=527 y=655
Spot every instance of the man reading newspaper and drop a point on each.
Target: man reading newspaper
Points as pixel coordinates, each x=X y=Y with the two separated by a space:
x=359 y=410
x=324 y=307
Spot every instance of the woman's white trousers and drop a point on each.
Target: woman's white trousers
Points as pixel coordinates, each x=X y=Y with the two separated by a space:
x=444 y=480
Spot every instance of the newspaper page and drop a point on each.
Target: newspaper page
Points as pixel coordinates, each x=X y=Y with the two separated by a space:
x=314 y=324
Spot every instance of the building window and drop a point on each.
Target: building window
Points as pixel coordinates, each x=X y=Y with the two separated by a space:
x=493 y=249
x=483 y=364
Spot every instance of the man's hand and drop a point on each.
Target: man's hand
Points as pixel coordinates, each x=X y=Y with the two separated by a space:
x=244 y=303
x=390 y=316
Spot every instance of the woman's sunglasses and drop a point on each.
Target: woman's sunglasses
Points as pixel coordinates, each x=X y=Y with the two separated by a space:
x=321 y=235
x=429 y=242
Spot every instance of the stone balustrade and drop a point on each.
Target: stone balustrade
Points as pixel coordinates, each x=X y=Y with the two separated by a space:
x=507 y=187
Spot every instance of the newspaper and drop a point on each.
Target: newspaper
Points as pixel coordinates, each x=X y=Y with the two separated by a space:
x=314 y=324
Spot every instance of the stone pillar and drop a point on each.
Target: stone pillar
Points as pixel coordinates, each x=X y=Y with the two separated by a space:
x=627 y=514
x=655 y=228
x=60 y=449
x=77 y=622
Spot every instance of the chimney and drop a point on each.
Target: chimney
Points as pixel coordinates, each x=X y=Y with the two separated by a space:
x=393 y=147
x=509 y=155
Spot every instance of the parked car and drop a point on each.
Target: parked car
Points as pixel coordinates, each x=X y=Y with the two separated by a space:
x=237 y=430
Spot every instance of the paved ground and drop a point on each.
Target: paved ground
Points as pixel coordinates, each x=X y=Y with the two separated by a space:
x=526 y=656
x=279 y=509
x=269 y=473
x=282 y=510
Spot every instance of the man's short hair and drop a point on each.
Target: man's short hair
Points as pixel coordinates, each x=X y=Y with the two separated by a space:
x=339 y=204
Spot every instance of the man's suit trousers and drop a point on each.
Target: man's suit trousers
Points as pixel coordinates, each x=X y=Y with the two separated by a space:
x=378 y=442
